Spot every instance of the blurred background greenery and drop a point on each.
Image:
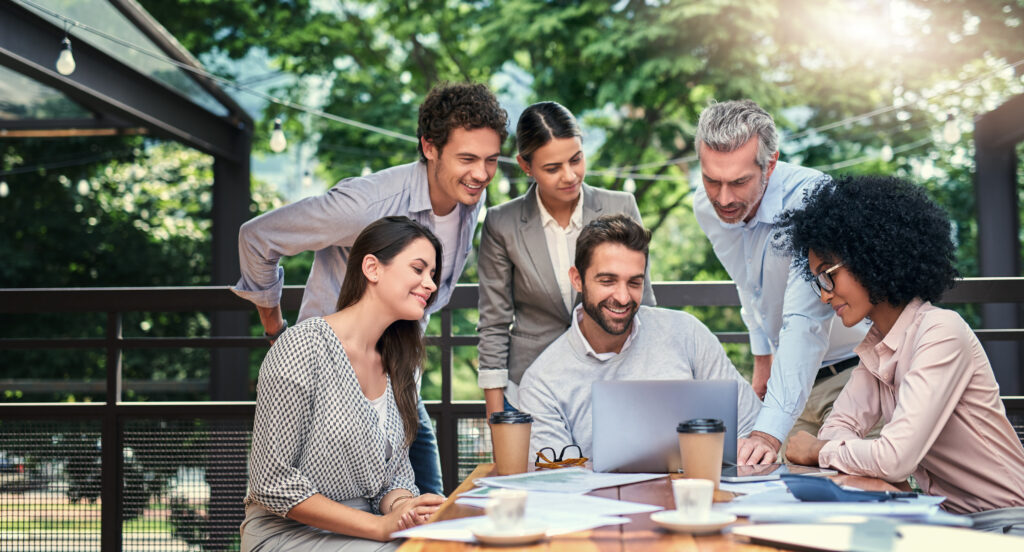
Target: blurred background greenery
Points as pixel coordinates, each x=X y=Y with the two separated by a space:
x=856 y=86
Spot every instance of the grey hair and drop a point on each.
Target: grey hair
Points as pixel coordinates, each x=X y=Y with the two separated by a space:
x=726 y=126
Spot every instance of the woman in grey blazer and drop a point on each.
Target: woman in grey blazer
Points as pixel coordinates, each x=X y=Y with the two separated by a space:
x=527 y=247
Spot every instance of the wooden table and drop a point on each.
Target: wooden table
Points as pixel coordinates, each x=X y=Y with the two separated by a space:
x=640 y=534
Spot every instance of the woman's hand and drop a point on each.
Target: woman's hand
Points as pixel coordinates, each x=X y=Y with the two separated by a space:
x=803 y=449
x=409 y=513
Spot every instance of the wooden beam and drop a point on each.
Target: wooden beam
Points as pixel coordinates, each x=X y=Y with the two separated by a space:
x=71 y=132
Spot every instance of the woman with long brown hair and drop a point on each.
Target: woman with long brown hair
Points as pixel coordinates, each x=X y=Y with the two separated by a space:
x=336 y=406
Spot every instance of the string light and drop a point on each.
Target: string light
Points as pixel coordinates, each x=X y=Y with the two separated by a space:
x=307 y=179
x=616 y=172
x=66 y=61
x=278 y=142
x=886 y=154
x=629 y=186
x=951 y=130
x=4 y=189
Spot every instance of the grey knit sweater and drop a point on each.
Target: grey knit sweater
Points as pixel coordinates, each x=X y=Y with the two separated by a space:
x=668 y=345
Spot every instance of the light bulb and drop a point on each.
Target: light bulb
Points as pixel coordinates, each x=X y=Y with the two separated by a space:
x=307 y=180
x=66 y=61
x=277 y=139
x=366 y=170
x=629 y=185
x=951 y=131
x=4 y=189
x=504 y=186
x=886 y=153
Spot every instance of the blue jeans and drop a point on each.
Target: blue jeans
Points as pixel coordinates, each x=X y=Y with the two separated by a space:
x=509 y=407
x=424 y=456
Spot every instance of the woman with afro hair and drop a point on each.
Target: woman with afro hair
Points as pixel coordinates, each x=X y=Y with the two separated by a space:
x=876 y=247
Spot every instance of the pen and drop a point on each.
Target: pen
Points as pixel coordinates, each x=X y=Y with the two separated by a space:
x=900 y=494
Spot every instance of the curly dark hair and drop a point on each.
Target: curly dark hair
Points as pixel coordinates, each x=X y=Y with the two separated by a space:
x=458 y=105
x=894 y=240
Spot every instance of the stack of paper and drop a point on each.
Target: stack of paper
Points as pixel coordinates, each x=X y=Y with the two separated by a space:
x=565 y=480
x=560 y=513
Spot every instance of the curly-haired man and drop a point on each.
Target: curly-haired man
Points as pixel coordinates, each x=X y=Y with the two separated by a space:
x=461 y=128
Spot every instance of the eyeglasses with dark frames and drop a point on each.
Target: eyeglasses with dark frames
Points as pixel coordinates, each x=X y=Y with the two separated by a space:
x=823 y=281
x=559 y=460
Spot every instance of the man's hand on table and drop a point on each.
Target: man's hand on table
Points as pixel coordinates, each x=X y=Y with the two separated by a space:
x=757 y=448
x=803 y=449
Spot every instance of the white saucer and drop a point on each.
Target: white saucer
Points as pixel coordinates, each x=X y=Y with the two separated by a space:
x=528 y=533
x=671 y=520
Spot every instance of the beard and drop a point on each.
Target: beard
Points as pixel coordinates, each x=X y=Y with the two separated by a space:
x=596 y=312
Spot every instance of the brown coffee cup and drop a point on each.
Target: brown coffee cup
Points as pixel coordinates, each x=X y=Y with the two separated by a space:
x=510 y=436
x=701 y=442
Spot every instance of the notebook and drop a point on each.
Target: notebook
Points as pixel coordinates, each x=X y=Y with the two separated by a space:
x=634 y=422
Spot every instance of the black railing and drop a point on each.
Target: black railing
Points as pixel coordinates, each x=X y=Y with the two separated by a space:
x=116 y=422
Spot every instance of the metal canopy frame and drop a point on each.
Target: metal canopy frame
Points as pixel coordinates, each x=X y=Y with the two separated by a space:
x=996 y=135
x=126 y=101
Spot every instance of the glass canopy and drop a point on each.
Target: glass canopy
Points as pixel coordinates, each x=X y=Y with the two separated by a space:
x=105 y=18
x=24 y=98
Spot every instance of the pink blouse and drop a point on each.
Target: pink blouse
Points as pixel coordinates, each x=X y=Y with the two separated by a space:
x=932 y=384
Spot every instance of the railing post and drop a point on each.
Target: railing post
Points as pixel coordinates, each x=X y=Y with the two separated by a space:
x=111 y=455
x=447 y=422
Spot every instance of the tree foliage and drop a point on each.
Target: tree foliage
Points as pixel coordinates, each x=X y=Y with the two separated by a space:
x=637 y=72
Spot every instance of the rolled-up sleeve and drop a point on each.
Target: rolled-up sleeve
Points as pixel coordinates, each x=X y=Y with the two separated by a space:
x=404 y=478
x=930 y=391
x=495 y=305
x=803 y=342
x=284 y=404
x=333 y=218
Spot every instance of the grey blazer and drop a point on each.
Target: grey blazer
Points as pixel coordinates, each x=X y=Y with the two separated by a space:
x=521 y=309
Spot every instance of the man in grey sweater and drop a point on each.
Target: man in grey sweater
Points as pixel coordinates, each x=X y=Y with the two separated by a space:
x=613 y=338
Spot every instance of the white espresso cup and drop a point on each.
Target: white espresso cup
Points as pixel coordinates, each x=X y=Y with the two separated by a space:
x=506 y=509
x=693 y=498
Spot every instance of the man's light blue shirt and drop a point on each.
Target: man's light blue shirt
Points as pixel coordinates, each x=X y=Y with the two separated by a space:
x=783 y=314
x=328 y=224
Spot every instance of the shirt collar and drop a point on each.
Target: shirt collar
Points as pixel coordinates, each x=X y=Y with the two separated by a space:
x=771 y=202
x=575 y=220
x=633 y=331
x=894 y=338
x=875 y=345
x=419 y=194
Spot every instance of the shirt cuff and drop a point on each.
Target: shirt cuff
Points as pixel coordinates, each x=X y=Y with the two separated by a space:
x=774 y=422
x=828 y=453
x=760 y=345
x=265 y=298
x=492 y=378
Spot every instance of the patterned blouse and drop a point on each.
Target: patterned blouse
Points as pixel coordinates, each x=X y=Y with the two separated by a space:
x=315 y=431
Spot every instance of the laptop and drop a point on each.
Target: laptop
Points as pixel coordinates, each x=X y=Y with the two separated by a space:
x=634 y=422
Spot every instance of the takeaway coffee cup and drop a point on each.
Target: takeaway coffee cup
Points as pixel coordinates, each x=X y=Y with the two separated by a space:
x=700 y=448
x=510 y=435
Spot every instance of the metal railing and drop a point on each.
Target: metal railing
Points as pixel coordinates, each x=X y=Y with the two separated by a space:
x=226 y=489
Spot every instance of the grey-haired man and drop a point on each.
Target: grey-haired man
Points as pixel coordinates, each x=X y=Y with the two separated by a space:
x=801 y=355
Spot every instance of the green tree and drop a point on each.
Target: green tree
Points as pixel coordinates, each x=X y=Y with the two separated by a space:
x=639 y=73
